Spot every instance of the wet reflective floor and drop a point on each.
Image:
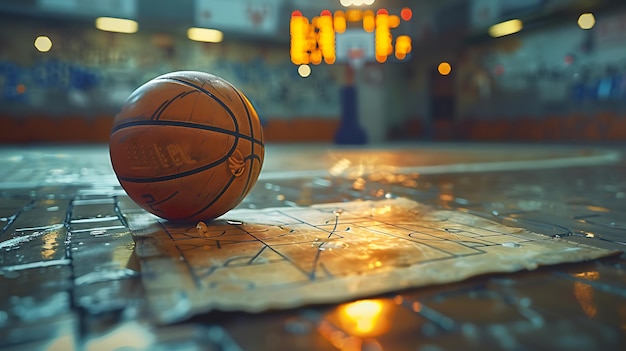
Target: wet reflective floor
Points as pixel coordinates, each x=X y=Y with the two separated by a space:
x=70 y=277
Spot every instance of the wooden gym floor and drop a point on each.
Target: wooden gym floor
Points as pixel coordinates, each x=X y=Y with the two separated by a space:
x=80 y=288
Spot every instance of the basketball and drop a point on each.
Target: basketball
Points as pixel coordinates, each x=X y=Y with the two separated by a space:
x=187 y=146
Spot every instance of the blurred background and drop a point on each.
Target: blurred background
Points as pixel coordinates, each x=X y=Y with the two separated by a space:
x=477 y=70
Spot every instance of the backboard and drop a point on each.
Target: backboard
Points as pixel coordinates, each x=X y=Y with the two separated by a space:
x=355 y=46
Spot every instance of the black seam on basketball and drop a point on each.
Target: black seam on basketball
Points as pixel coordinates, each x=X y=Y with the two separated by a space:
x=225 y=188
x=209 y=94
x=249 y=181
x=175 y=175
x=217 y=197
x=243 y=103
x=157 y=114
x=183 y=125
x=165 y=199
x=158 y=110
x=249 y=184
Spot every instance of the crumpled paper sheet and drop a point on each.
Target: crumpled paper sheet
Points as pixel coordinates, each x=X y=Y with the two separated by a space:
x=255 y=260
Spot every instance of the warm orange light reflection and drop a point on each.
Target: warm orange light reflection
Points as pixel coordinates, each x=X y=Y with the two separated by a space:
x=446 y=197
x=128 y=336
x=598 y=208
x=364 y=317
x=383 y=210
x=338 y=338
x=121 y=255
x=49 y=245
x=584 y=293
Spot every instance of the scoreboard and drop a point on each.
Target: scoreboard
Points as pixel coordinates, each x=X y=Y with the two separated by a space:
x=314 y=40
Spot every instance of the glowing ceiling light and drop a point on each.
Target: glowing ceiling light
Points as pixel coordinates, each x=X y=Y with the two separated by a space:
x=346 y=3
x=304 y=71
x=586 y=21
x=205 y=35
x=43 y=43
x=118 y=25
x=505 y=28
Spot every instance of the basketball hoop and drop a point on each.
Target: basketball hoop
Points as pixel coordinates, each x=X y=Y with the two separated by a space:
x=356 y=57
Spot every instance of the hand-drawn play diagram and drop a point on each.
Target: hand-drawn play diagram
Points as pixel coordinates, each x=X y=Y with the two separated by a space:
x=254 y=260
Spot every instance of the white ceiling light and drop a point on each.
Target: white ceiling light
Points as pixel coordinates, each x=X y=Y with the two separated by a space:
x=118 y=25
x=206 y=35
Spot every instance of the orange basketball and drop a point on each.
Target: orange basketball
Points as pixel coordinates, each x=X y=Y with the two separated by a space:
x=187 y=146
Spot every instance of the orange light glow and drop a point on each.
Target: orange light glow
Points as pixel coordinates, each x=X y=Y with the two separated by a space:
x=406 y=14
x=326 y=36
x=354 y=15
x=316 y=57
x=444 y=68
x=446 y=197
x=20 y=89
x=365 y=317
x=597 y=208
x=315 y=41
x=584 y=293
x=394 y=21
x=398 y=299
x=338 y=338
x=299 y=29
x=339 y=21
x=382 y=36
x=369 y=21
x=403 y=46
